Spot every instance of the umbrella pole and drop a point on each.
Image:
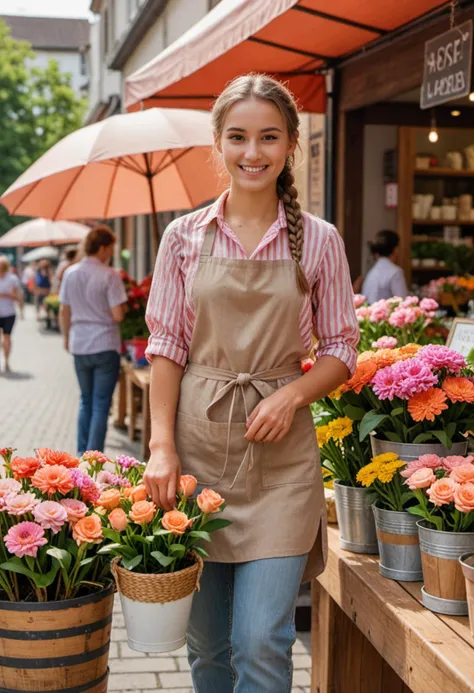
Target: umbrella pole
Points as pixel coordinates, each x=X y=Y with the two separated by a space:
x=154 y=218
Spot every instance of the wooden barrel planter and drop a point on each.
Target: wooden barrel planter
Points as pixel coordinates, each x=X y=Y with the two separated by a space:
x=61 y=647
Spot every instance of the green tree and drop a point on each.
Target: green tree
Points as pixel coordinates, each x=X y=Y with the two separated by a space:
x=38 y=107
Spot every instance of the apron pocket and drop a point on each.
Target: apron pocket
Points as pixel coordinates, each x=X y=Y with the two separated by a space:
x=201 y=446
x=295 y=459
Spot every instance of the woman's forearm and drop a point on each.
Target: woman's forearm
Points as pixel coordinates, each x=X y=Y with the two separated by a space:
x=325 y=376
x=164 y=394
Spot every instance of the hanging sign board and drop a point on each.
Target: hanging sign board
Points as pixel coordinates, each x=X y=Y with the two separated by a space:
x=447 y=67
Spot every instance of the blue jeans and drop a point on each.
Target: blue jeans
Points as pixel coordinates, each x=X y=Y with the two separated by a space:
x=242 y=626
x=97 y=375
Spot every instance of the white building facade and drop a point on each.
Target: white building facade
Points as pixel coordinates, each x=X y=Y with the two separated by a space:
x=65 y=40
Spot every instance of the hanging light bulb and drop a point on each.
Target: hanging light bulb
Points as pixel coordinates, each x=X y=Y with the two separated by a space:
x=433 y=133
x=471 y=96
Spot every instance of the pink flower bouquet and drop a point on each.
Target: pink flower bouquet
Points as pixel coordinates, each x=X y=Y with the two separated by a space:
x=393 y=322
x=444 y=491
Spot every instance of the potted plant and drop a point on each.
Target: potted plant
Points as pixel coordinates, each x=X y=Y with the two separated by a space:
x=397 y=531
x=467 y=565
x=55 y=585
x=133 y=328
x=444 y=492
x=158 y=559
x=342 y=456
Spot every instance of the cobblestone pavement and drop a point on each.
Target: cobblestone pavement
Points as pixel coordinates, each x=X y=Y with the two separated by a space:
x=38 y=408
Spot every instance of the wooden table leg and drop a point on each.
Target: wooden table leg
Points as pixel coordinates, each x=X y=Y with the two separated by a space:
x=146 y=428
x=132 y=408
x=322 y=639
x=121 y=401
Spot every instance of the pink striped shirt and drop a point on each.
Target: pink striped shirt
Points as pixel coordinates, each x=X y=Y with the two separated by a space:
x=328 y=311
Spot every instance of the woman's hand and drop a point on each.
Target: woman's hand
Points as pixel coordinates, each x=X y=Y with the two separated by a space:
x=271 y=419
x=162 y=475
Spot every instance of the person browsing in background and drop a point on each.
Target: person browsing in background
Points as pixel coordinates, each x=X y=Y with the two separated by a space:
x=237 y=291
x=92 y=298
x=385 y=279
x=70 y=257
x=43 y=279
x=10 y=291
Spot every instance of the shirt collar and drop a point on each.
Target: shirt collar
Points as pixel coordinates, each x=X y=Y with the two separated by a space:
x=216 y=211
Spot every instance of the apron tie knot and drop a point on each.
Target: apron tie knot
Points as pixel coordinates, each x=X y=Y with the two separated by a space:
x=244 y=379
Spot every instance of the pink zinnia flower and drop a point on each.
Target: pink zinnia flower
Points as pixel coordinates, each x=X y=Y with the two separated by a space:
x=75 y=509
x=94 y=457
x=401 y=317
x=8 y=488
x=453 y=461
x=410 y=301
x=88 y=488
x=127 y=462
x=24 y=539
x=413 y=377
x=429 y=305
x=439 y=357
x=385 y=343
x=50 y=515
x=425 y=461
x=359 y=300
x=21 y=504
x=362 y=313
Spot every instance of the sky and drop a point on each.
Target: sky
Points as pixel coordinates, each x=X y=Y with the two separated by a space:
x=46 y=8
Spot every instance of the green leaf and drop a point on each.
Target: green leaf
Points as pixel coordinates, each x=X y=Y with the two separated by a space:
x=202 y=552
x=369 y=423
x=163 y=560
x=407 y=496
x=397 y=411
x=417 y=511
x=87 y=561
x=112 y=534
x=142 y=540
x=109 y=548
x=16 y=566
x=422 y=438
x=451 y=429
x=47 y=579
x=61 y=555
x=354 y=413
x=394 y=437
x=200 y=535
x=215 y=524
x=443 y=438
x=72 y=547
x=178 y=549
x=131 y=563
x=161 y=532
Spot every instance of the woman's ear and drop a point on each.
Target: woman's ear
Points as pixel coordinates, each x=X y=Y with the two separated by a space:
x=293 y=143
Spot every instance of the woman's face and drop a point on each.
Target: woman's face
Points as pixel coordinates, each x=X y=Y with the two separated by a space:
x=254 y=144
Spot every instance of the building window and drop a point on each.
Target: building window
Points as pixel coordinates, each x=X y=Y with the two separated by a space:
x=83 y=64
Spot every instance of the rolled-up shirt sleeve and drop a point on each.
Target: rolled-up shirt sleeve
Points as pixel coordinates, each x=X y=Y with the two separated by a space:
x=165 y=309
x=334 y=320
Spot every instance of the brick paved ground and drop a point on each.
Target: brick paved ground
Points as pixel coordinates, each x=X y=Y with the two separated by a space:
x=38 y=406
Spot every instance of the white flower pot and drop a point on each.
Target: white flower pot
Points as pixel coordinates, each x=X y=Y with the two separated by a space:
x=159 y=627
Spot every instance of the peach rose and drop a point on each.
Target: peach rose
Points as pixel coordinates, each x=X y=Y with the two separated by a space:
x=142 y=512
x=138 y=493
x=187 y=485
x=118 y=519
x=109 y=499
x=442 y=491
x=24 y=467
x=421 y=478
x=463 y=474
x=88 y=530
x=209 y=501
x=176 y=521
x=127 y=491
x=464 y=498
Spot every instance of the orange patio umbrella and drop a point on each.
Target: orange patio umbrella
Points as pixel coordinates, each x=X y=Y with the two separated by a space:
x=294 y=40
x=133 y=163
x=38 y=232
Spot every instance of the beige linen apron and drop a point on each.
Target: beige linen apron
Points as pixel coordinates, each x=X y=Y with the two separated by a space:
x=246 y=344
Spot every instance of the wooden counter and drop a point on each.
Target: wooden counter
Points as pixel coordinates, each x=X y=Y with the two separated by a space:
x=372 y=635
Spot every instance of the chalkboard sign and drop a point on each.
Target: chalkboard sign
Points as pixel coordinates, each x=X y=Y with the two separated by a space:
x=447 y=67
x=461 y=337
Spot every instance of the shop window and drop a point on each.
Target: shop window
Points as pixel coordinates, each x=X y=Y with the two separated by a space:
x=83 y=64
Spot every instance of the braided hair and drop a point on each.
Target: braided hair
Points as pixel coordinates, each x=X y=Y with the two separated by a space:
x=268 y=89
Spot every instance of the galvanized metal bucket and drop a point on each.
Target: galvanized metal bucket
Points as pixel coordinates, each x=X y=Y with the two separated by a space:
x=467 y=565
x=356 y=519
x=444 y=591
x=399 y=547
x=409 y=451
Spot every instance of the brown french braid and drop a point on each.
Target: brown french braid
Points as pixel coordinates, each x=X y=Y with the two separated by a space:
x=288 y=193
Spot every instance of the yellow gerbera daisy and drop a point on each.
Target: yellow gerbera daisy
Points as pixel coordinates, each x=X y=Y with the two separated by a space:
x=385 y=458
x=322 y=434
x=340 y=428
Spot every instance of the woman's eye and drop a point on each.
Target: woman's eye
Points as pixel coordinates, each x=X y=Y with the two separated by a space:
x=236 y=137
x=269 y=137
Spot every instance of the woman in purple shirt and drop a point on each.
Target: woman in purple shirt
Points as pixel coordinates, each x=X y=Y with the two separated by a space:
x=92 y=300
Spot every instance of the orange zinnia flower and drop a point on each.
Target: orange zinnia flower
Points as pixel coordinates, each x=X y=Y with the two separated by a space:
x=459 y=389
x=57 y=457
x=53 y=479
x=24 y=467
x=408 y=351
x=364 y=373
x=386 y=357
x=426 y=405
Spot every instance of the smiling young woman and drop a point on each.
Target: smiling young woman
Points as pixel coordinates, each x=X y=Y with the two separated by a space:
x=238 y=290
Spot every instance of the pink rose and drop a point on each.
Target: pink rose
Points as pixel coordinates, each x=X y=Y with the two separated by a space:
x=421 y=478
x=453 y=461
x=429 y=305
x=50 y=515
x=362 y=313
x=359 y=300
x=464 y=498
x=427 y=461
x=385 y=343
x=442 y=491
x=463 y=474
x=21 y=504
x=410 y=301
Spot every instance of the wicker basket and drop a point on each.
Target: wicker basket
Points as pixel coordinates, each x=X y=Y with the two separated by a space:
x=158 y=588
